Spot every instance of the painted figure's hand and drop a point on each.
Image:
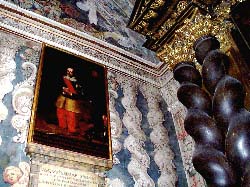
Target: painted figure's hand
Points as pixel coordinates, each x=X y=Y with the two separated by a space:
x=66 y=91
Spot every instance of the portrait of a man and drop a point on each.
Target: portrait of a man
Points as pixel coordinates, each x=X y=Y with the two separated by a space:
x=71 y=104
x=68 y=103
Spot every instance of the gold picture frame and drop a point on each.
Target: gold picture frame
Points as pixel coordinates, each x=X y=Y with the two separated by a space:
x=70 y=110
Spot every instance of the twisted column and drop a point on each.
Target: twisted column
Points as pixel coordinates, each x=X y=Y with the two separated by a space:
x=221 y=132
x=208 y=157
x=134 y=142
x=163 y=155
x=229 y=112
x=115 y=121
x=185 y=141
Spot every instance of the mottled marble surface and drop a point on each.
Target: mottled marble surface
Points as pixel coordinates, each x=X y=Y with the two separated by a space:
x=119 y=174
x=105 y=20
x=18 y=61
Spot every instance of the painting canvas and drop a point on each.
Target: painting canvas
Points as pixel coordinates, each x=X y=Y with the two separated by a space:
x=70 y=109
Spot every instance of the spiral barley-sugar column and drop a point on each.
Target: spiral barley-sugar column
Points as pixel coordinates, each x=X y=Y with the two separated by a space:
x=208 y=157
x=228 y=110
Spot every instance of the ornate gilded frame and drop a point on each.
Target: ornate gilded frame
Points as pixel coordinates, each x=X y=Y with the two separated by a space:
x=92 y=140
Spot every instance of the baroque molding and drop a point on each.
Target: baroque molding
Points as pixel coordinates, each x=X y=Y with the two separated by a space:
x=180 y=48
x=8 y=46
x=22 y=97
x=22 y=94
x=172 y=27
x=41 y=29
x=41 y=154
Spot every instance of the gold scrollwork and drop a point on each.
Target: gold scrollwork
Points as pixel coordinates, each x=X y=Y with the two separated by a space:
x=150 y=14
x=157 y=4
x=181 y=46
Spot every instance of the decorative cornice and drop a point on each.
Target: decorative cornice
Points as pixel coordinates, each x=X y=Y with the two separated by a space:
x=165 y=29
x=171 y=21
x=38 y=28
x=145 y=14
x=172 y=33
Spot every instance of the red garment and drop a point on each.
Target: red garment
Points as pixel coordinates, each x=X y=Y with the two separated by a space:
x=69 y=85
x=67 y=119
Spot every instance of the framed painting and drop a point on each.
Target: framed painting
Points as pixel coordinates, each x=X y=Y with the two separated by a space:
x=70 y=109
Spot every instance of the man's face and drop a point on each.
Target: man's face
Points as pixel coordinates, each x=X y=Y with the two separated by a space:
x=70 y=72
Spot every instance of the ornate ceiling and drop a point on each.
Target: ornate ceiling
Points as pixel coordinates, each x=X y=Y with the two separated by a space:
x=171 y=27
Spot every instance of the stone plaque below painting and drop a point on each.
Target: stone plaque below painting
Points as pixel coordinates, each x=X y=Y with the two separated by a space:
x=54 y=176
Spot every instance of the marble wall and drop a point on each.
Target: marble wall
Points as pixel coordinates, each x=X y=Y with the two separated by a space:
x=145 y=147
x=18 y=66
x=105 y=20
x=186 y=143
x=144 y=142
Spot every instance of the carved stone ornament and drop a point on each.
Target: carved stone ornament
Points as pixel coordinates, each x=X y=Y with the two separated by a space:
x=7 y=69
x=134 y=142
x=163 y=154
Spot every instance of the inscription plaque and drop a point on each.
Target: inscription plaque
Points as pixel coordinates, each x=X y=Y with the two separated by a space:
x=54 y=176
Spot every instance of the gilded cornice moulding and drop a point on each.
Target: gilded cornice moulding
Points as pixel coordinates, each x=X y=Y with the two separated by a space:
x=148 y=16
x=172 y=28
x=180 y=48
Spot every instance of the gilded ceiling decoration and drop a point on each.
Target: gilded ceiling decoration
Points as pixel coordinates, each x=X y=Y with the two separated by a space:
x=180 y=48
x=172 y=28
